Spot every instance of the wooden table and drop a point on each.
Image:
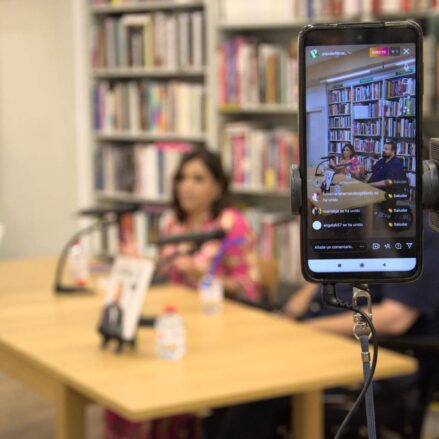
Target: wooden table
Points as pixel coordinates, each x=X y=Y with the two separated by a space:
x=50 y=343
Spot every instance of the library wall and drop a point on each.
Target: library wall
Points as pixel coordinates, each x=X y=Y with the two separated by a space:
x=317 y=100
x=37 y=136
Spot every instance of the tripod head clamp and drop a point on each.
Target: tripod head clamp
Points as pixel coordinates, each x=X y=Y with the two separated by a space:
x=361 y=326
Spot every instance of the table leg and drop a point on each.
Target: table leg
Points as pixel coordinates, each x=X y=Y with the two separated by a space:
x=70 y=414
x=308 y=415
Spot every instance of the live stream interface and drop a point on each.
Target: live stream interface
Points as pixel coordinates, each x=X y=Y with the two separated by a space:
x=361 y=157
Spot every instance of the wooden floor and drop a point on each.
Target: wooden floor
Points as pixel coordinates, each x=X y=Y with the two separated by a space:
x=25 y=415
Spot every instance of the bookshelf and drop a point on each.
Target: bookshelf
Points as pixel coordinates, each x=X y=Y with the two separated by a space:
x=293 y=24
x=149 y=76
x=278 y=36
x=149 y=137
x=241 y=120
x=264 y=109
x=127 y=197
x=157 y=5
x=367 y=112
x=339 y=119
x=256 y=99
x=132 y=72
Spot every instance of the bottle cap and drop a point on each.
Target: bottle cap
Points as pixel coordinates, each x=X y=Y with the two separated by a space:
x=170 y=309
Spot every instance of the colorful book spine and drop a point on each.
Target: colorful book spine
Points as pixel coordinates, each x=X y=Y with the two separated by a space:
x=158 y=107
x=259 y=159
x=252 y=72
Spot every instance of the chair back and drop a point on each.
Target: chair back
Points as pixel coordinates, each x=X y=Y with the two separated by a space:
x=269 y=278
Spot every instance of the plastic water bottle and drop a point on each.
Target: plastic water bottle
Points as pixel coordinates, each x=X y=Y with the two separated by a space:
x=78 y=264
x=211 y=293
x=170 y=335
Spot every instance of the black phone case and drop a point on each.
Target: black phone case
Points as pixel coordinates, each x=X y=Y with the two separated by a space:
x=382 y=277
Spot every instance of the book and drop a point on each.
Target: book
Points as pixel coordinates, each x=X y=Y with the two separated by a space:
x=279 y=239
x=162 y=40
x=253 y=72
x=257 y=10
x=367 y=92
x=149 y=106
x=257 y=158
x=146 y=170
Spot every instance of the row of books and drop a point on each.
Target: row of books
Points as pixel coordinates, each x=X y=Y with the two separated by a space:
x=143 y=169
x=365 y=111
x=258 y=158
x=149 y=106
x=399 y=127
x=138 y=231
x=366 y=162
x=340 y=122
x=251 y=72
x=401 y=86
x=279 y=239
x=406 y=148
x=367 y=128
x=367 y=145
x=367 y=92
x=339 y=135
x=394 y=88
x=373 y=146
x=337 y=147
x=409 y=163
x=339 y=109
x=162 y=40
x=340 y=95
x=411 y=178
x=404 y=106
x=283 y=9
x=136 y=2
x=261 y=10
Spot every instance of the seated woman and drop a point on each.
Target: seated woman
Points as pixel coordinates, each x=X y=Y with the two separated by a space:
x=200 y=203
x=348 y=164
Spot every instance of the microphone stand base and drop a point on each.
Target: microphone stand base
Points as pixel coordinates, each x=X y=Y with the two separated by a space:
x=63 y=289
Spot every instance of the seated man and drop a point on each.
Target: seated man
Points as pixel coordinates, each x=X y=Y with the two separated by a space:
x=399 y=310
x=387 y=169
x=409 y=309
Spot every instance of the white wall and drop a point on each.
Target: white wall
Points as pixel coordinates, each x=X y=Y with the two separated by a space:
x=316 y=98
x=37 y=126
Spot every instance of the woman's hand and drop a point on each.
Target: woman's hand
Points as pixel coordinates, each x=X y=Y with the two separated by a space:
x=299 y=302
x=186 y=266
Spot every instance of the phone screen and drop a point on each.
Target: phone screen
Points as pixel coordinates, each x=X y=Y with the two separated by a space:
x=361 y=133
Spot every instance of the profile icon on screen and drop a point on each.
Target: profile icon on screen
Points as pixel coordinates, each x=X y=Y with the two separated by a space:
x=316 y=225
x=317 y=211
x=316 y=196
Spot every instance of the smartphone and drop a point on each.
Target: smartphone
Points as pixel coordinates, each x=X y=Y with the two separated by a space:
x=360 y=113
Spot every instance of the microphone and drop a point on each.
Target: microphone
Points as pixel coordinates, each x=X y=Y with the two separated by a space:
x=327 y=157
x=197 y=238
x=105 y=210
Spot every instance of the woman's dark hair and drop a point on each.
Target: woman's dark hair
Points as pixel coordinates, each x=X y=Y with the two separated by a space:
x=213 y=163
x=351 y=149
